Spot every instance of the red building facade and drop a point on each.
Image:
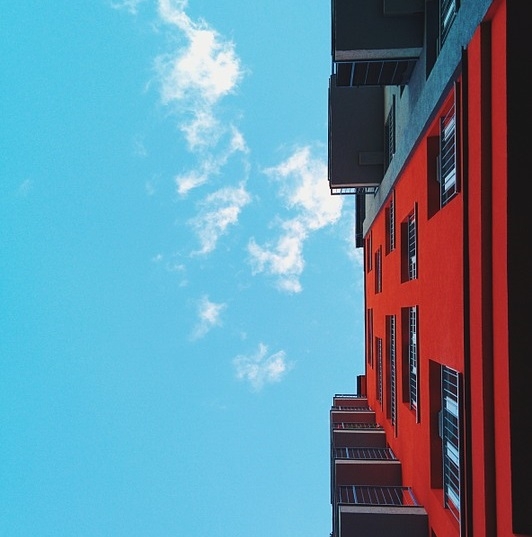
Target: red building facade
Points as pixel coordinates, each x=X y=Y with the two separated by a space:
x=442 y=220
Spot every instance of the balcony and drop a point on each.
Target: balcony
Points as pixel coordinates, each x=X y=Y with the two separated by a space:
x=366 y=466
x=352 y=414
x=349 y=399
x=356 y=138
x=376 y=42
x=358 y=435
x=367 y=493
x=367 y=511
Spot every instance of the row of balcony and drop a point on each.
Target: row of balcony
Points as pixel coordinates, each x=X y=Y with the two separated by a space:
x=375 y=43
x=367 y=493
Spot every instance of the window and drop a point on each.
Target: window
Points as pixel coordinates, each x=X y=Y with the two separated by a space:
x=412 y=358
x=439 y=18
x=445 y=434
x=389 y=135
x=410 y=361
x=378 y=270
x=378 y=345
x=450 y=435
x=391 y=385
x=448 y=9
x=390 y=225
x=369 y=253
x=409 y=264
x=412 y=247
x=443 y=154
x=447 y=161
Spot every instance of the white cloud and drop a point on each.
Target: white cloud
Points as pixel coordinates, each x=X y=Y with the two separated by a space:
x=237 y=142
x=202 y=130
x=194 y=77
x=207 y=69
x=307 y=188
x=25 y=188
x=261 y=368
x=212 y=164
x=284 y=259
x=218 y=211
x=305 y=191
x=208 y=317
x=191 y=179
x=139 y=149
x=128 y=5
x=197 y=76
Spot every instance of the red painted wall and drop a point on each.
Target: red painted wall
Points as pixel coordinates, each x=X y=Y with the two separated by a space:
x=461 y=294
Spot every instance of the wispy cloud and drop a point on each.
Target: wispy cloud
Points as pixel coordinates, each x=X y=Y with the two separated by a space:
x=209 y=314
x=172 y=265
x=193 y=80
x=304 y=189
x=212 y=163
x=139 y=149
x=25 y=188
x=261 y=367
x=217 y=212
x=128 y=5
x=284 y=258
x=205 y=70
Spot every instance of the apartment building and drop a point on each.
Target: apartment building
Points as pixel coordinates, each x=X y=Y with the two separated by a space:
x=428 y=116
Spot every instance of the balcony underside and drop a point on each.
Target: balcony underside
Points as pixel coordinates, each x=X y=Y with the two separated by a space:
x=360 y=416
x=375 y=73
x=368 y=521
x=359 y=438
x=356 y=136
x=367 y=472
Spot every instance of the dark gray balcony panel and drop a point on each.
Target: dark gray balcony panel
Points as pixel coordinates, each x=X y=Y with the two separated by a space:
x=376 y=29
x=359 y=438
x=367 y=472
x=374 y=72
x=367 y=521
x=356 y=136
x=403 y=7
x=359 y=416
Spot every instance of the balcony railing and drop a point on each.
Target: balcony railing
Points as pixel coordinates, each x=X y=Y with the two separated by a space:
x=392 y=72
x=354 y=190
x=365 y=453
x=352 y=408
x=376 y=496
x=448 y=10
x=355 y=426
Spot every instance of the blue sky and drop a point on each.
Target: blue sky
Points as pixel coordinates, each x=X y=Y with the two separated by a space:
x=180 y=294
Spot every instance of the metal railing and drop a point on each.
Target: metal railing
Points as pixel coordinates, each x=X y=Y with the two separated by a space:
x=360 y=190
x=352 y=408
x=447 y=162
x=378 y=496
x=448 y=10
x=355 y=425
x=376 y=72
x=364 y=453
